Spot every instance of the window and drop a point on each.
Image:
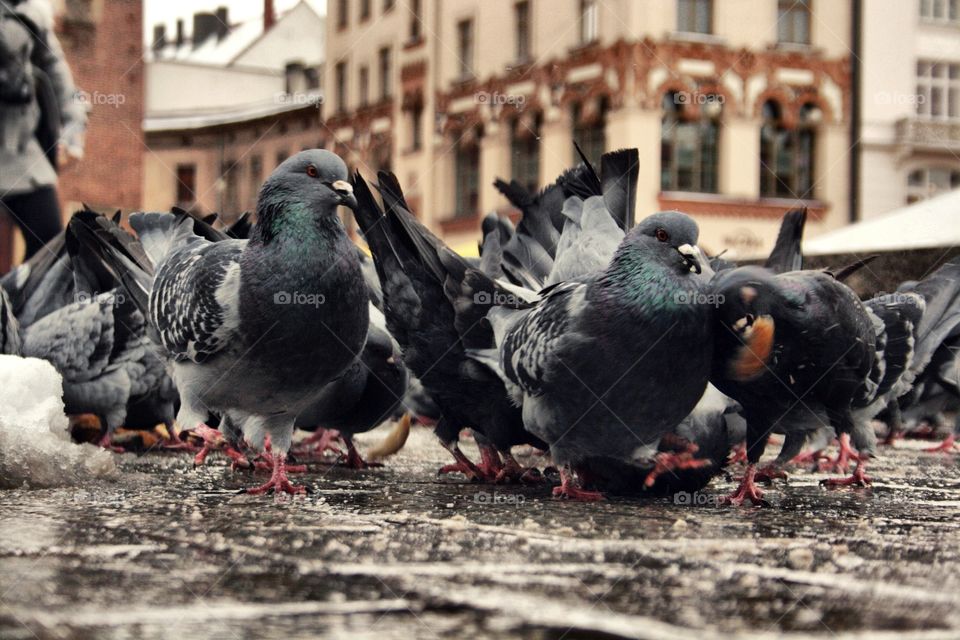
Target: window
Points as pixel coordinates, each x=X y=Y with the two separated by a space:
x=341 y=80
x=940 y=10
x=364 y=86
x=281 y=156
x=186 y=184
x=589 y=132
x=525 y=152
x=928 y=182
x=364 y=9
x=416 y=128
x=230 y=175
x=385 y=74
x=312 y=75
x=588 y=21
x=793 y=21
x=467 y=171
x=388 y=5
x=938 y=90
x=694 y=16
x=465 y=49
x=256 y=174
x=786 y=154
x=415 y=21
x=343 y=14
x=522 y=17
x=688 y=147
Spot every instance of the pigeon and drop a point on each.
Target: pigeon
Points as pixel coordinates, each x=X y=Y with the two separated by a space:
x=797 y=351
x=421 y=319
x=97 y=346
x=254 y=329
x=365 y=395
x=583 y=356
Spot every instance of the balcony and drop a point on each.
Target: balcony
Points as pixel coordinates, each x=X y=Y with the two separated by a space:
x=918 y=134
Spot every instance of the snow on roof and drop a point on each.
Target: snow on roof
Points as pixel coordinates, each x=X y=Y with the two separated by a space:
x=923 y=225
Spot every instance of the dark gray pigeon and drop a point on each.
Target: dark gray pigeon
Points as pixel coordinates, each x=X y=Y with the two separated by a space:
x=254 y=328
x=586 y=361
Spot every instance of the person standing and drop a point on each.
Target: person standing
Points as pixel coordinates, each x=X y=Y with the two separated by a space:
x=42 y=119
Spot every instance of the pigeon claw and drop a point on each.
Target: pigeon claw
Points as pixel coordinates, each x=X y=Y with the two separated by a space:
x=841 y=464
x=739 y=454
x=857 y=478
x=769 y=473
x=669 y=462
x=747 y=490
x=278 y=482
x=569 y=489
x=949 y=445
x=353 y=459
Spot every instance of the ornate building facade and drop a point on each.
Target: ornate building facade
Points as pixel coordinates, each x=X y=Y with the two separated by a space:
x=741 y=110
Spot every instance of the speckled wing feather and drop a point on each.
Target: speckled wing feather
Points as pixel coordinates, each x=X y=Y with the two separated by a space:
x=195 y=298
x=529 y=349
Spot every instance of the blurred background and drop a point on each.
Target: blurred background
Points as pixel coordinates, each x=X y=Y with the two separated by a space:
x=741 y=109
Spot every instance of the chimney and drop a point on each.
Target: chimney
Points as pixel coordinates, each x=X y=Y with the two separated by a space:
x=269 y=17
x=223 y=23
x=159 y=37
x=180 y=34
x=204 y=26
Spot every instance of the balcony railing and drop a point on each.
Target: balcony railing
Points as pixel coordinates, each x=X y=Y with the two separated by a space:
x=929 y=135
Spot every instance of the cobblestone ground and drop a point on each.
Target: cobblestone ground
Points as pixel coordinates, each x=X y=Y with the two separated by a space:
x=168 y=551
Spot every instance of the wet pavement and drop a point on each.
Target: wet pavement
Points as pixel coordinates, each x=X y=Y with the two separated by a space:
x=169 y=551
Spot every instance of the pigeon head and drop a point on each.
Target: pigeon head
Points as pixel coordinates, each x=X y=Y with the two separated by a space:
x=747 y=298
x=671 y=237
x=312 y=183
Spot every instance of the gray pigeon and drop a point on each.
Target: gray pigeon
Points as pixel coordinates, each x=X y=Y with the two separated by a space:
x=582 y=360
x=98 y=347
x=255 y=327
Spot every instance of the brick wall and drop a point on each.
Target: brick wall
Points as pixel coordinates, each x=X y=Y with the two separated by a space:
x=103 y=45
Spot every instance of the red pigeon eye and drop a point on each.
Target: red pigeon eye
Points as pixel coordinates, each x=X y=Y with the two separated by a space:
x=662 y=235
x=312 y=171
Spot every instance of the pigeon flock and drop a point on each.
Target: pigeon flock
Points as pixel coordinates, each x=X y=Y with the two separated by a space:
x=629 y=360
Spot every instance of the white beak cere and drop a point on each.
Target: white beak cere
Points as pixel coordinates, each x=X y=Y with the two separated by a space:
x=342 y=186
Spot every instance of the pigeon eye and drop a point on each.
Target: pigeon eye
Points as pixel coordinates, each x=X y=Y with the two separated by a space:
x=312 y=171
x=662 y=235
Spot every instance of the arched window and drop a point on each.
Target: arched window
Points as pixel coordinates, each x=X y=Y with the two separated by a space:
x=688 y=144
x=525 y=151
x=787 y=153
x=466 y=169
x=589 y=129
x=929 y=181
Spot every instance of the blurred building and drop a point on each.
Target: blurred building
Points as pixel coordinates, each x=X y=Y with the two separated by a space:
x=910 y=124
x=741 y=110
x=226 y=103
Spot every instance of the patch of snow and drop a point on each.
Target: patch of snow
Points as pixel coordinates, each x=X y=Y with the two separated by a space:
x=35 y=448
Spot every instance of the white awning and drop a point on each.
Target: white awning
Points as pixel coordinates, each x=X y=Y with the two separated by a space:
x=923 y=225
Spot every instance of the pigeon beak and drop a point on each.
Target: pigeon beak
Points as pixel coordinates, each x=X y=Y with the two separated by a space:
x=345 y=190
x=691 y=255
